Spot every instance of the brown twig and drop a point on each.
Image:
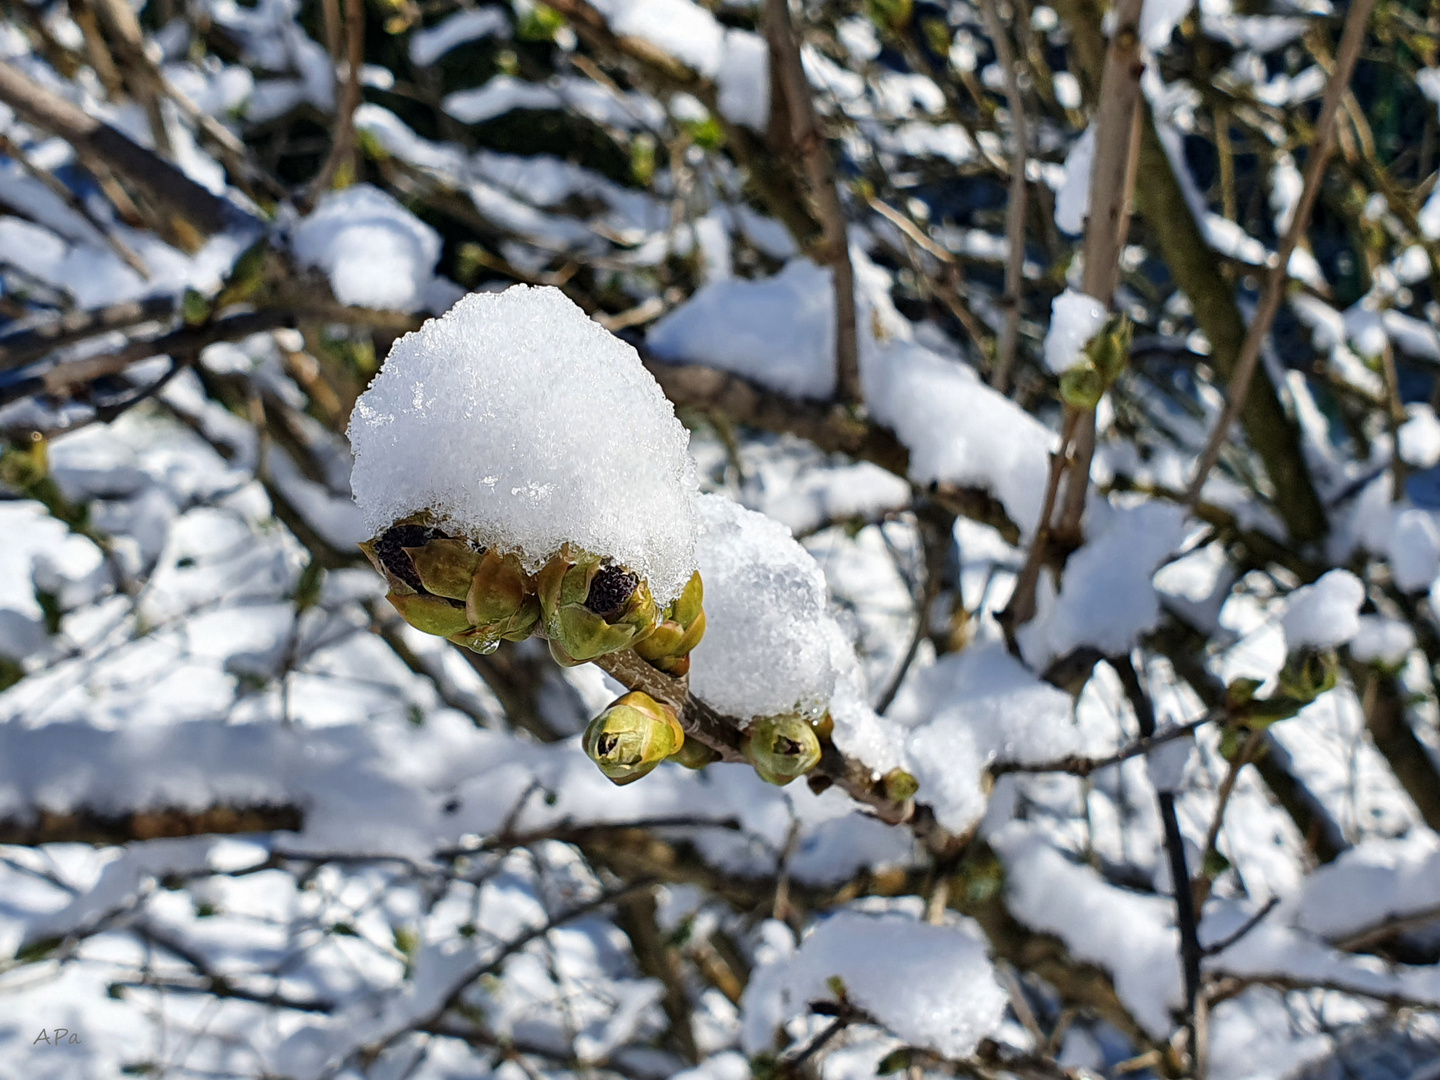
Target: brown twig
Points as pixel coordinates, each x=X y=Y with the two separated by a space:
x=1112 y=180
x=93 y=827
x=1351 y=40
x=1076 y=765
x=806 y=139
x=342 y=149
x=1015 y=209
x=102 y=145
x=75 y=203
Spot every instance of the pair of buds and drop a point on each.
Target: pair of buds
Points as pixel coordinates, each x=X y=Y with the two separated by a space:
x=1083 y=385
x=637 y=732
x=478 y=597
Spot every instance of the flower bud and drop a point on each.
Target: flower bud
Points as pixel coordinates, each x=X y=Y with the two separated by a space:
x=590 y=608
x=1109 y=351
x=781 y=747
x=446 y=586
x=694 y=754
x=899 y=785
x=632 y=736
x=1309 y=673
x=1082 y=387
x=681 y=628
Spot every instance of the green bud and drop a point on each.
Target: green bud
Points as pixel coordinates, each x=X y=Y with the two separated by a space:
x=891 y=14
x=781 y=747
x=694 y=754
x=681 y=628
x=446 y=586
x=195 y=308
x=1308 y=674
x=1109 y=350
x=632 y=736
x=1082 y=387
x=1241 y=691
x=899 y=785
x=589 y=608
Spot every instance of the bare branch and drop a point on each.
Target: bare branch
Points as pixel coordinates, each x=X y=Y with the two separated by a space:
x=808 y=142
x=1351 y=39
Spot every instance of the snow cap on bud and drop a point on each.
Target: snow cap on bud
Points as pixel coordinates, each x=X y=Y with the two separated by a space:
x=591 y=607
x=632 y=736
x=447 y=586
x=521 y=425
x=781 y=747
x=766 y=649
x=682 y=625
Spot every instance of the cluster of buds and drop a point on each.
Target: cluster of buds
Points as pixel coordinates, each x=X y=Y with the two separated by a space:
x=1307 y=674
x=1083 y=385
x=447 y=586
x=590 y=607
x=584 y=605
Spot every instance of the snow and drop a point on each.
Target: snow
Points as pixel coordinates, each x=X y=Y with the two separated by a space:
x=1419 y=437
x=627 y=111
x=1325 y=614
x=1158 y=20
x=1107 y=598
x=1072 y=198
x=1413 y=545
x=1130 y=934
x=959 y=431
x=969 y=709
x=681 y=28
x=766 y=648
x=780 y=332
x=932 y=986
x=1075 y=319
x=784 y=340
x=743 y=80
x=1375 y=881
x=1383 y=640
x=522 y=424
x=433 y=42
x=375 y=252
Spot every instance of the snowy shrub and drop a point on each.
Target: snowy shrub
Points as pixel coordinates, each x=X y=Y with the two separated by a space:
x=644 y=539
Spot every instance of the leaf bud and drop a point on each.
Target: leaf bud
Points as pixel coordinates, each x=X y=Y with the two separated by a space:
x=781 y=747
x=590 y=607
x=632 y=736
x=682 y=625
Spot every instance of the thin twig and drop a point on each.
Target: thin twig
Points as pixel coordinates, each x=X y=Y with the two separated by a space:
x=808 y=142
x=342 y=148
x=1185 y=914
x=77 y=204
x=1015 y=209
x=1075 y=765
x=1249 y=924
x=1112 y=180
x=1351 y=39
